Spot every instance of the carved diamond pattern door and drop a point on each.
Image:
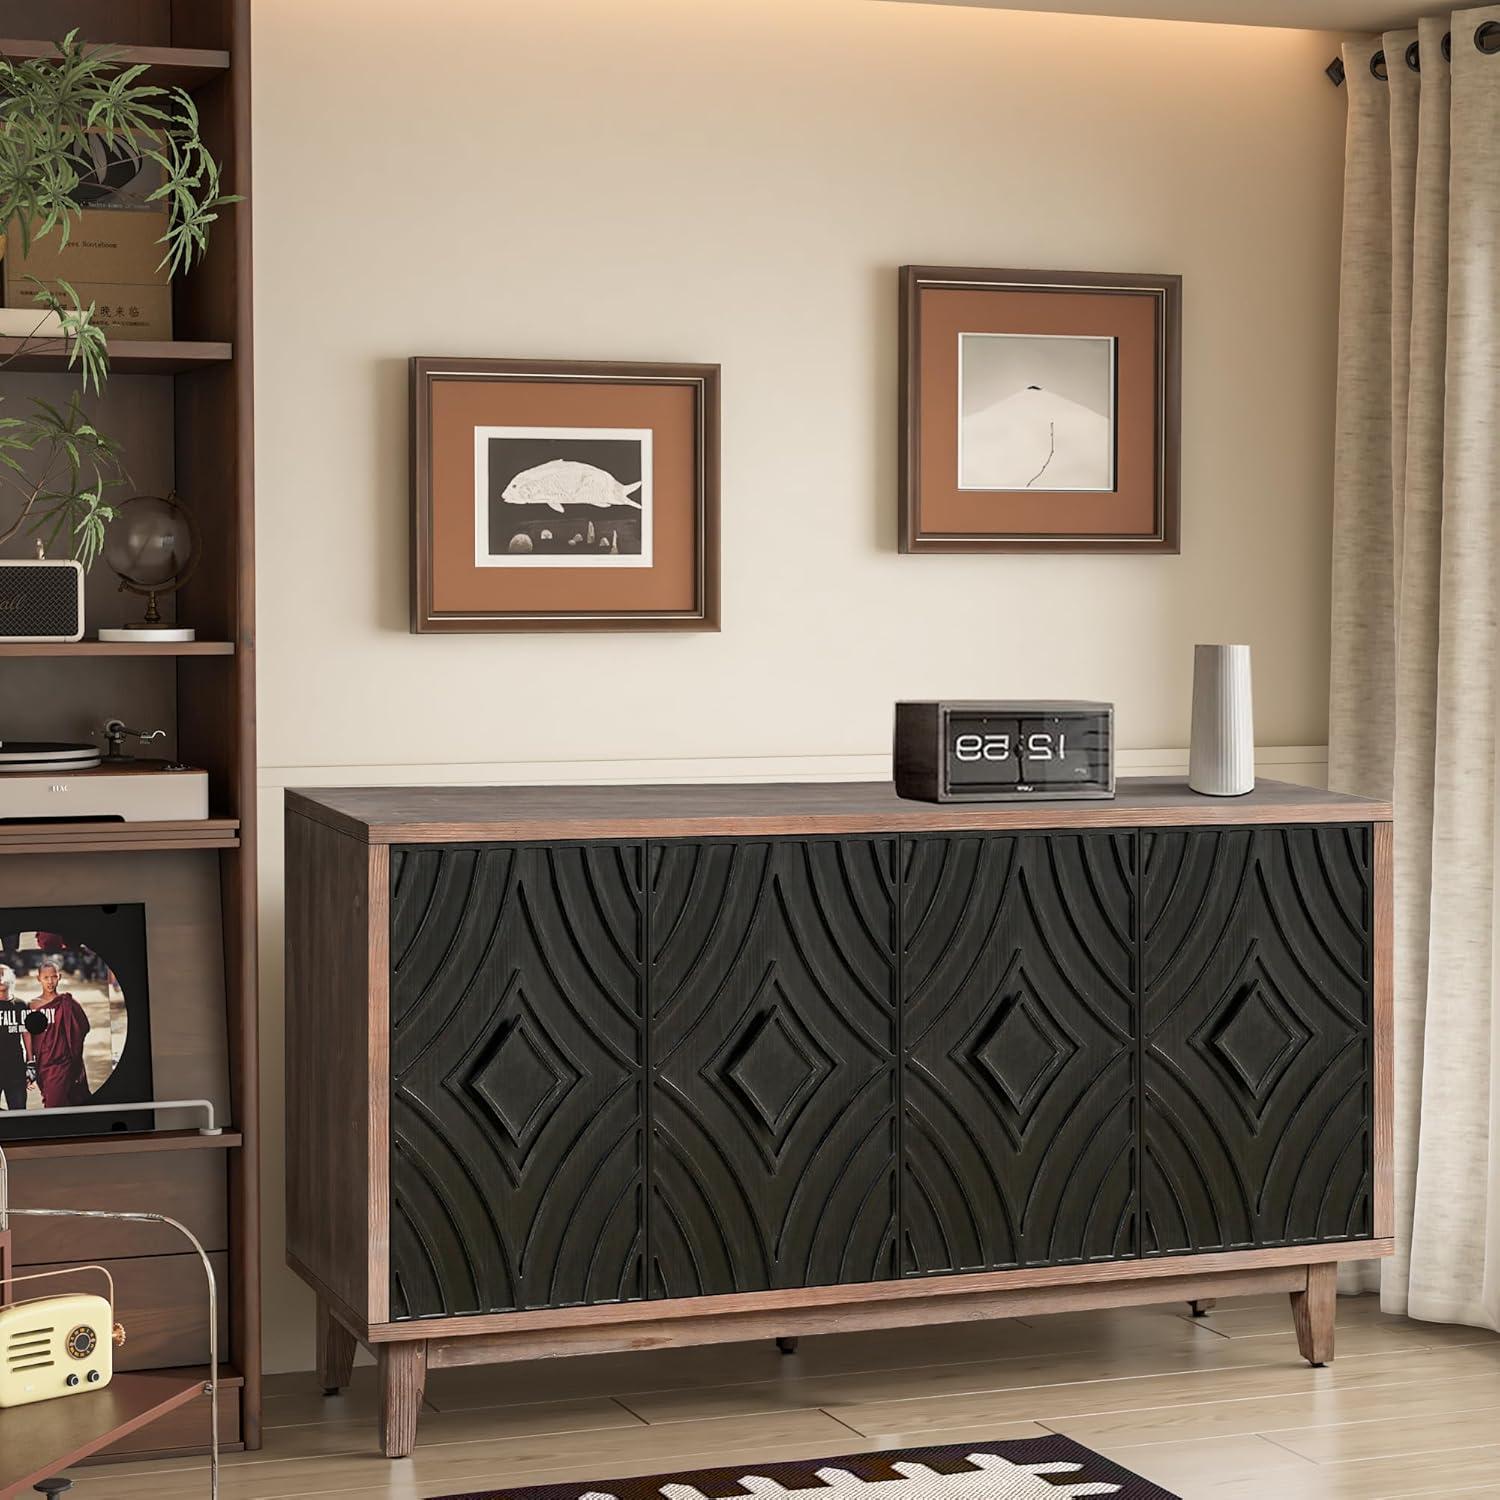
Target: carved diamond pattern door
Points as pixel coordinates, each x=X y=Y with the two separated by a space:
x=1018 y=982
x=518 y=1078
x=773 y=1102
x=1257 y=973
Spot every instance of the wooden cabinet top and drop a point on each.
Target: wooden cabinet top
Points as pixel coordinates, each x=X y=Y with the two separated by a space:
x=460 y=814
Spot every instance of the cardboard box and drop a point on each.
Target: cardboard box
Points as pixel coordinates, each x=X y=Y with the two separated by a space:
x=111 y=259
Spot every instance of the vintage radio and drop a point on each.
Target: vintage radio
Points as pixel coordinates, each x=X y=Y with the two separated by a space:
x=41 y=600
x=56 y=1346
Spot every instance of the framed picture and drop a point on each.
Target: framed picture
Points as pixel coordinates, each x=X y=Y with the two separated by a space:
x=1040 y=411
x=552 y=495
x=75 y=1019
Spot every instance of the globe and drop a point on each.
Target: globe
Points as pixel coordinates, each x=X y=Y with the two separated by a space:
x=149 y=543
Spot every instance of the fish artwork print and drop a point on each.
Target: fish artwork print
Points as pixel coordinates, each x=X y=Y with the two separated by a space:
x=564 y=481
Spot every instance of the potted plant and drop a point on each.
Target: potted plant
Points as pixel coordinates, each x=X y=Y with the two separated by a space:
x=63 y=120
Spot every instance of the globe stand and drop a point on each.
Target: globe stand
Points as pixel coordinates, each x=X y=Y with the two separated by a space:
x=150 y=562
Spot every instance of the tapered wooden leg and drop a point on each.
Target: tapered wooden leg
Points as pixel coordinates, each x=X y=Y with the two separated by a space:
x=787 y=1346
x=335 y=1351
x=1203 y=1306
x=1313 y=1312
x=403 y=1377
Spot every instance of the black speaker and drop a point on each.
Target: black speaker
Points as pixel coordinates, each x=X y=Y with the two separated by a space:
x=41 y=601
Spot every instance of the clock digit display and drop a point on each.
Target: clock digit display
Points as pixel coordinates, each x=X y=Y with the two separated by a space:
x=1050 y=752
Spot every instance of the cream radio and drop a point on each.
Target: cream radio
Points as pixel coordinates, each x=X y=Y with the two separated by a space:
x=57 y=1346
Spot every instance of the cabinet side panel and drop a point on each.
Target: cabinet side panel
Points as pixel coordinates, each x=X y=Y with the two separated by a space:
x=328 y=1028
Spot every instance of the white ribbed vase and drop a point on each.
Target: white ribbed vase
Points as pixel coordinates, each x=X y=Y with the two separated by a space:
x=1221 y=762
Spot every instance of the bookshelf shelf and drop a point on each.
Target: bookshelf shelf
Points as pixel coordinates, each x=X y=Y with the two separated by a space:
x=64 y=649
x=187 y=68
x=123 y=1144
x=126 y=356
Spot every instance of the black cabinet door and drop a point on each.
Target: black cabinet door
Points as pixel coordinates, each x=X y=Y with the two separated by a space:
x=1018 y=984
x=773 y=1099
x=517 y=1078
x=1257 y=994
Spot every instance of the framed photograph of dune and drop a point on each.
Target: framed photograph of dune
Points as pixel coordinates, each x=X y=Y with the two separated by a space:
x=1041 y=411
x=560 y=495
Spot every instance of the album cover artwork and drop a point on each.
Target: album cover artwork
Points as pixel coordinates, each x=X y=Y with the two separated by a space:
x=75 y=1019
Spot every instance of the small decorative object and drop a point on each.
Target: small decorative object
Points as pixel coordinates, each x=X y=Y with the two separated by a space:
x=75 y=1019
x=1221 y=762
x=564 y=496
x=58 y=1345
x=1025 y=751
x=41 y=599
x=1040 y=411
x=152 y=548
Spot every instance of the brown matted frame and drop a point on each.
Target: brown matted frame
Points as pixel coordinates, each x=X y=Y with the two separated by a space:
x=1168 y=291
x=703 y=378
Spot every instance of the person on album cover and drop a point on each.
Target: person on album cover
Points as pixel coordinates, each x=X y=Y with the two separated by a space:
x=12 y=1042
x=57 y=1047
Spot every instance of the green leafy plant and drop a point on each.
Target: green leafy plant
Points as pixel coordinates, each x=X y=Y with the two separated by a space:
x=63 y=120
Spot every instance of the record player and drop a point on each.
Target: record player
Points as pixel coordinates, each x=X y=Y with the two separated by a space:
x=59 y=782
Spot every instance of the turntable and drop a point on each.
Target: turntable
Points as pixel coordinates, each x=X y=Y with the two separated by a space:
x=58 y=782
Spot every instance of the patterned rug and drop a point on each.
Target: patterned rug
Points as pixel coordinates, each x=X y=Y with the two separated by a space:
x=1048 y=1468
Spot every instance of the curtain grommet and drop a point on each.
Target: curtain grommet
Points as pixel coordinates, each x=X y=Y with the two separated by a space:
x=1447 y=46
x=1487 y=37
x=1414 y=57
x=1378 y=68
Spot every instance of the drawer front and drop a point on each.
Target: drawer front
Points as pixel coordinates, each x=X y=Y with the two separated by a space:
x=1258 y=952
x=1018 y=986
x=773 y=1100
x=517 y=1078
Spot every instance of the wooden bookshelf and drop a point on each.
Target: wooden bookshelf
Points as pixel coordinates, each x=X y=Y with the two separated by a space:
x=183 y=412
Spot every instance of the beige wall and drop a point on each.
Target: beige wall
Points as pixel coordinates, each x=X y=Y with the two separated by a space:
x=737 y=181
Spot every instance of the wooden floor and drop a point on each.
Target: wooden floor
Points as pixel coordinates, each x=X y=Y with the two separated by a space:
x=1220 y=1407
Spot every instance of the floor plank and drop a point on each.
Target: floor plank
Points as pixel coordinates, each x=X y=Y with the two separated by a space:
x=1217 y=1408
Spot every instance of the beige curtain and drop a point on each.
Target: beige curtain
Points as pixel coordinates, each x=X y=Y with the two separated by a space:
x=1416 y=667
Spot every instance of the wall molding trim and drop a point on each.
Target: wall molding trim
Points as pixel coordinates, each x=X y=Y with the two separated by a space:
x=1301 y=763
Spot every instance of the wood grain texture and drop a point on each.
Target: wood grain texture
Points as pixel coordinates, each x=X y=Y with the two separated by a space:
x=39 y=1441
x=403 y=1379
x=1019 y=1023
x=439 y=815
x=751 y=1323
x=1256 y=1029
x=329 y=1086
x=867 y=1299
x=335 y=1350
x=1313 y=1313
x=112 y=838
x=185 y=1429
x=190 y=1187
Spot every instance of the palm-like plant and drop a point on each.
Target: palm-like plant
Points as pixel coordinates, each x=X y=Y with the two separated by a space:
x=63 y=119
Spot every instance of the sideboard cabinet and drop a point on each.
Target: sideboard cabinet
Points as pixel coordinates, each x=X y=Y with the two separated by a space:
x=583 y=1069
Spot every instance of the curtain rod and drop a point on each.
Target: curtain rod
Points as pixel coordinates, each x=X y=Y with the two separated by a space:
x=1486 y=40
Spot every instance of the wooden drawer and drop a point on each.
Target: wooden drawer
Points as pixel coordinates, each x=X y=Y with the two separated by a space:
x=188 y=1186
x=162 y=1301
